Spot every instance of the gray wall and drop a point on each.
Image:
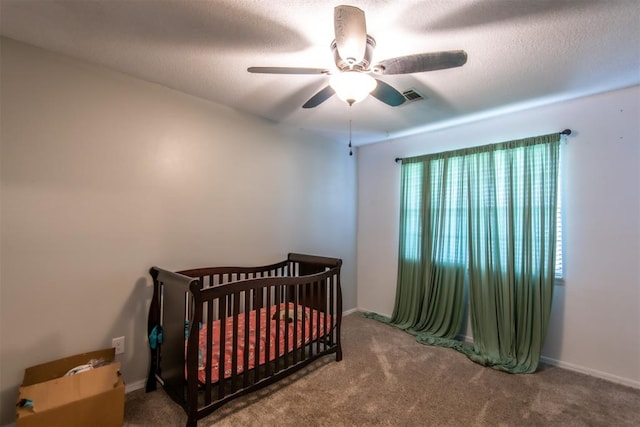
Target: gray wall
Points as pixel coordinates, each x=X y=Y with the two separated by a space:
x=595 y=322
x=104 y=176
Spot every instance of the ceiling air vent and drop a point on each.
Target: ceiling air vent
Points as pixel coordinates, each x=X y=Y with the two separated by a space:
x=412 y=95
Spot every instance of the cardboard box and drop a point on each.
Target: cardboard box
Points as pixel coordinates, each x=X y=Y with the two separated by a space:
x=91 y=398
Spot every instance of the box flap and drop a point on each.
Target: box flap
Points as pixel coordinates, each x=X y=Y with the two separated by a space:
x=64 y=390
x=57 y=368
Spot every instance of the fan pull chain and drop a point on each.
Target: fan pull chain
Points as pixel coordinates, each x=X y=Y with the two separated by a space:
x=350 y=151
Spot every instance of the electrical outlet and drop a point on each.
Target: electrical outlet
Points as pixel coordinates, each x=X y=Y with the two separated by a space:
x=118 y=344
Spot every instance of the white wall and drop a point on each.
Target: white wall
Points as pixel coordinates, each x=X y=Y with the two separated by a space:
x=595 y=323
x=104 y=176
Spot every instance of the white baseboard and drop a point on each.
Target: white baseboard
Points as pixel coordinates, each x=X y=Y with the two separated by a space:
x=136 y=385
x=351 y=311
x=592 y=372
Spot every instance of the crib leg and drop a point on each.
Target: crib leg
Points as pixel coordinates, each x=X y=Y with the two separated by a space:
x=192 y=422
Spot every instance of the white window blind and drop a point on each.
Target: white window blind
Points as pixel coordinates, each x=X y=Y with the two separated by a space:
x=559 y=271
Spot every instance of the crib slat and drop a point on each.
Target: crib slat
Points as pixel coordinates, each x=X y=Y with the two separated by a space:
x=286 y=327
x=257 y=299
x=209 y=348
x=312 y=327
x=320 y=315
x=325 y=311
x=222 y=310
x=246 y=334
x=277 y=359
x=234 y=352
x=305 y=304
x=318 y=312
x=331 y=309
x=294 y=298
x=259 y=326
x=227 y=278
x=267 y=339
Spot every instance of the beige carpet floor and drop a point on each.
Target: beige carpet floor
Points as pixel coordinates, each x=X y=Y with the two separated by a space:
x=388 y=379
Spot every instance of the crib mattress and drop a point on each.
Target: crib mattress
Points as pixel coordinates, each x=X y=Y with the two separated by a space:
x=311 y=330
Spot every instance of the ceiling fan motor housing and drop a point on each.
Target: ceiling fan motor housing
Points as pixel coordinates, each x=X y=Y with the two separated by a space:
x=345 y=64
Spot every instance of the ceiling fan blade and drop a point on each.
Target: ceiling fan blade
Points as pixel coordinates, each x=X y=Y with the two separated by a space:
x=387 y=94
x=287 y=70
x=319 y=97
x=351 y=33
x=422 y=62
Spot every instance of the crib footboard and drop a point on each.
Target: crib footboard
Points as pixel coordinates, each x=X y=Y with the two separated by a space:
x=244 y=327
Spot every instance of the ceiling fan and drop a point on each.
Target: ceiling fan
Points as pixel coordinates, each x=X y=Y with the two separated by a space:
x=352 y=52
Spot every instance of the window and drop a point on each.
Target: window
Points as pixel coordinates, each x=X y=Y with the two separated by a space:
x=559 y=270
x=447 y=203
x=412 y=215
x=478 y=232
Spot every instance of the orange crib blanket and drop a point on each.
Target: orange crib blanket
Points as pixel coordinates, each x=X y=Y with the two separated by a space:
x=311 y=330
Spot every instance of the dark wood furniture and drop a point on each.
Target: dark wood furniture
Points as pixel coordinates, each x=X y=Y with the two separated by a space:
x=183 y=302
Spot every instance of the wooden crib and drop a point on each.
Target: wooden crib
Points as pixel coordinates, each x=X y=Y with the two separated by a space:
x=221 y=332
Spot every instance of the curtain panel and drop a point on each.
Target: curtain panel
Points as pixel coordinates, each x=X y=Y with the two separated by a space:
x=480 y=219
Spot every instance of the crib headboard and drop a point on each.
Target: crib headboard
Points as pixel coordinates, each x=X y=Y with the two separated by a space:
x=312 y=264
x=166 y=315
x=304 y=265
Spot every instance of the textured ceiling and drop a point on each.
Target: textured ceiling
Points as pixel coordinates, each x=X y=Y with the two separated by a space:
x=521 y=53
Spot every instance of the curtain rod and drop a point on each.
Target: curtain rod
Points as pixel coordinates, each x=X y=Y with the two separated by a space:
x=564 y=132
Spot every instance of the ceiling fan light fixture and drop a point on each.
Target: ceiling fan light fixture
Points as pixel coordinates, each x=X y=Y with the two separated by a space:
x=352 y=86
x=352 y=51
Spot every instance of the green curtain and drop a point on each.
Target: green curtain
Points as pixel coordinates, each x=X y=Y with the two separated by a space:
x=432 y=254
x=512 y=235
x=489 y=211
